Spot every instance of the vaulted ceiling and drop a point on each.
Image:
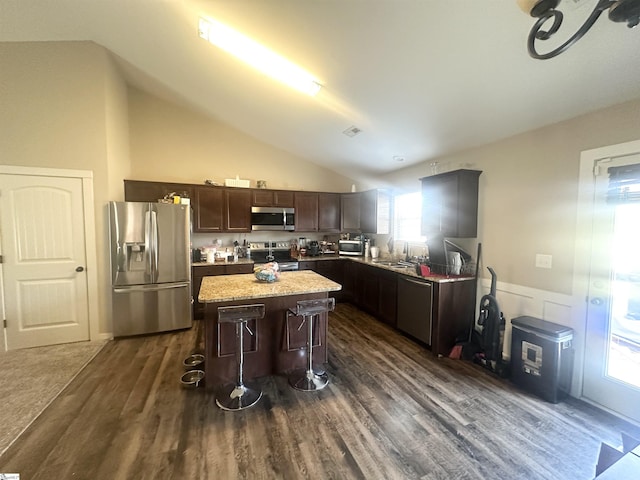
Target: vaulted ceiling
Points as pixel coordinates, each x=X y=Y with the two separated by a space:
x=419 y=78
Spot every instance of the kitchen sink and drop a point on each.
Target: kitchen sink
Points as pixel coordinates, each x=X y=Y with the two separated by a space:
x=396 y=264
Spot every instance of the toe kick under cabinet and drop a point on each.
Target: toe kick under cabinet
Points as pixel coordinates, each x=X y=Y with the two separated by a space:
x=435 y=312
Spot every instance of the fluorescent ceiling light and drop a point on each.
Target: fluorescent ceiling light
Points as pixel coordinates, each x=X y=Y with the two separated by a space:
x=259 y=57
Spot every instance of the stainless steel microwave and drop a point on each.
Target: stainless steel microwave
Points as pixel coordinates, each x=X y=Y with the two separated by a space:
x=272 y=218
x=351 y=247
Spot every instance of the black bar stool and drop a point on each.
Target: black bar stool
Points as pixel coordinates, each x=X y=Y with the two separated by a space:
x=239 y=396
x=311 y=378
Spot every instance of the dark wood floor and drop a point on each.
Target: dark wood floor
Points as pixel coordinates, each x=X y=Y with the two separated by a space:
x=392 y=410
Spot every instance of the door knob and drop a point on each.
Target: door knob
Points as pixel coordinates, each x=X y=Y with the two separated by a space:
x=79 y=269
x=596 y=301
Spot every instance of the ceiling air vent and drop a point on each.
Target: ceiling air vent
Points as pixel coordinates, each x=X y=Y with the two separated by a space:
x=352 y=131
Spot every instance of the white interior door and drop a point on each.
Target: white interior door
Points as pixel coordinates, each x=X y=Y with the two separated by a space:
x=43 y=248
x=612 y=360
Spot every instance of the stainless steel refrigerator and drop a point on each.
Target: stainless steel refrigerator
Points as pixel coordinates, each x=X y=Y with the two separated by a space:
x=150 y=267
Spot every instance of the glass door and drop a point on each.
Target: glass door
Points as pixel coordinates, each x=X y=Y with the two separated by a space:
x=612 y=362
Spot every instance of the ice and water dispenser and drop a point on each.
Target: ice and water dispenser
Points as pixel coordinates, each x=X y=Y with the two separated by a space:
x=135 y=257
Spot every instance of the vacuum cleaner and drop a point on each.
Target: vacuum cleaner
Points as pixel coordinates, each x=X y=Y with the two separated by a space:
x=486 y=346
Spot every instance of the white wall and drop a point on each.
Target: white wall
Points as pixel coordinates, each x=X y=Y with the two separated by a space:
x=64 y=106
x=172 y=143
x=528 y=193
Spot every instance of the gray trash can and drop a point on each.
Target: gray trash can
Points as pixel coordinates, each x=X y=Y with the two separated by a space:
x=541 y=357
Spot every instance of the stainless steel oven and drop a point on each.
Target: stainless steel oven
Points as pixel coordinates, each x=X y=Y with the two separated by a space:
x=265 y=252
x=272 y=218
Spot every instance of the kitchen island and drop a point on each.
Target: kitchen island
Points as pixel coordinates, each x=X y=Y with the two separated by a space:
x=277 y=345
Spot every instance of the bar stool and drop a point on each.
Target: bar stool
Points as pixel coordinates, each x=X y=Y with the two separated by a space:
x=239 y=396
x=311 y=378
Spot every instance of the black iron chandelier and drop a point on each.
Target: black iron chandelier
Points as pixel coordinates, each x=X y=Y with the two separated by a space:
x=627 y=11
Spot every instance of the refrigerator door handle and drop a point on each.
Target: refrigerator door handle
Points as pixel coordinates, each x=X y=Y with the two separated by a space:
x=154 y=245
x=150 y=288
x=148 y=245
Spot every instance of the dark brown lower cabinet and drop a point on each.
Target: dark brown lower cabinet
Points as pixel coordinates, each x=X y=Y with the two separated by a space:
x=453 y=313
x=387 y=297
x=333 y=270
x=375 y=290
x=198 y=272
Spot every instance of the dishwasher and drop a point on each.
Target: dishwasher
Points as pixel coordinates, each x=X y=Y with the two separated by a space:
x=415 y=299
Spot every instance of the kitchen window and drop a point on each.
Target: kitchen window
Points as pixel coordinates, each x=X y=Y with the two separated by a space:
x=407 y=217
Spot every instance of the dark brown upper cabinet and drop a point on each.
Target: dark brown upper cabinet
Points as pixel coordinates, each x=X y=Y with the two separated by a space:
x=329 y=212
x=306 y=204
x=142 y=191
x=208 y=209
x=272 y=198
x=366 y=212
x=450 y=204
x=217 y=209
x=237 y=210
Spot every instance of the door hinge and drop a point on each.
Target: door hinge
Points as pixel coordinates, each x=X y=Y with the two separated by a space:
x=1 y=259
x=5 y=323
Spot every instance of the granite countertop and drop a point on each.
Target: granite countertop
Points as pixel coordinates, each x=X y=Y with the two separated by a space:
x=226 y=288
x=367 y=261
x=409 y=271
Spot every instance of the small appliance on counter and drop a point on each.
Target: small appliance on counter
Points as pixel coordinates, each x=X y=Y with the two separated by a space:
x=313 y=250
x=351 y=247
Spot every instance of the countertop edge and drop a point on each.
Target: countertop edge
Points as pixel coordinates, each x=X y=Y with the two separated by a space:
x=247 y=287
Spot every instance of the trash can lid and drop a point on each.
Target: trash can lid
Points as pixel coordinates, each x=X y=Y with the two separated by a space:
x=542 y=326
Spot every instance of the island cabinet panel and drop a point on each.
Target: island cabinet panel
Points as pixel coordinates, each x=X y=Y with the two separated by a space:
x=450 y=204
x=306 y=211
x=143 y=191
x=272 y=198
x=271 y=349
x=198 y=272
x=237 y=210
x=329 y=212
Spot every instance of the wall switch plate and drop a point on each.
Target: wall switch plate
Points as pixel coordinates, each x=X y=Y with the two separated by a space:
x=543 y=261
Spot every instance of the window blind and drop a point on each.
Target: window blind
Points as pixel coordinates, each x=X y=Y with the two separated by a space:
x=624 y=184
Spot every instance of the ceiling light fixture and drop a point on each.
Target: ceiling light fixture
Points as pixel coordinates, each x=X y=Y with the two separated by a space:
x=258 y=56
x=627 y=11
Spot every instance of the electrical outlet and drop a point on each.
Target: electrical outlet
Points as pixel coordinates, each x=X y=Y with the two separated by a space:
x=543 y=261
